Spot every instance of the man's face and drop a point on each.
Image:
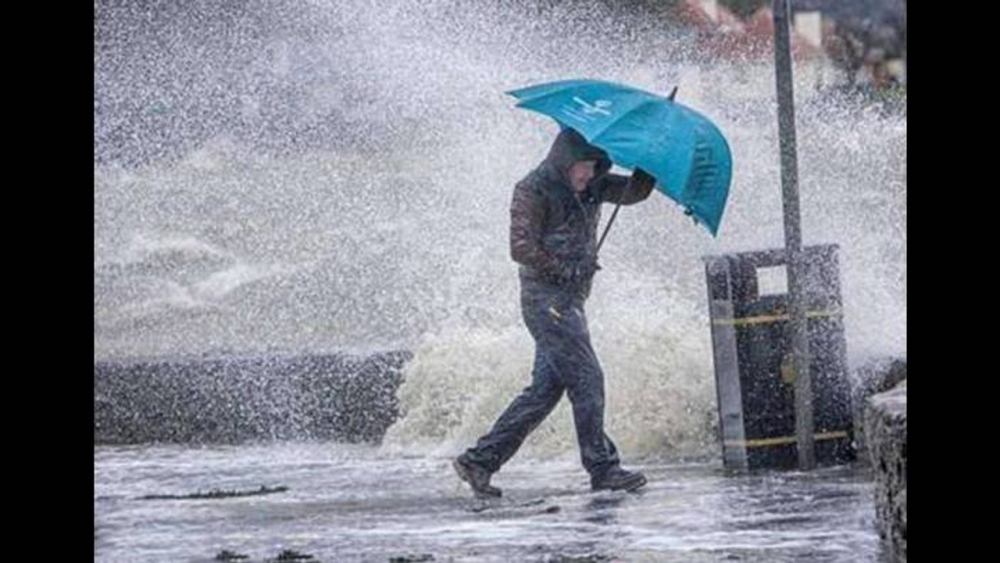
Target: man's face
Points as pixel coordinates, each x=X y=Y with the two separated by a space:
x=581 y=172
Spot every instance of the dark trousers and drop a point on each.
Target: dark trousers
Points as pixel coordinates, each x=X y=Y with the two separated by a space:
x=564 y=361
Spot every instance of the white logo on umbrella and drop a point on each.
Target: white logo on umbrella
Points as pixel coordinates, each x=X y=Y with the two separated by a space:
x=597 y=107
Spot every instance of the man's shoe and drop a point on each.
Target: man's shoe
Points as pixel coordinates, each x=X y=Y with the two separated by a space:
x=617 y=479
x=477 y=477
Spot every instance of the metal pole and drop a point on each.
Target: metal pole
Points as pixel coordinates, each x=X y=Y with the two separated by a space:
x=793 y=235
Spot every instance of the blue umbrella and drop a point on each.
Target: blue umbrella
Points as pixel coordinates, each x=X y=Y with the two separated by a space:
x=678 y=146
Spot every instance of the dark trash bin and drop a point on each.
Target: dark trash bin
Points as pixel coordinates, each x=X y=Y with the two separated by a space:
x=751 y=339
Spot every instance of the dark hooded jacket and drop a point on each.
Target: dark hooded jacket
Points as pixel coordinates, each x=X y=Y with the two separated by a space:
x=553 y=231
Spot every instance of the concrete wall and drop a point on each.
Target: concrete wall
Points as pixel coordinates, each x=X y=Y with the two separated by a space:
x=230 y=400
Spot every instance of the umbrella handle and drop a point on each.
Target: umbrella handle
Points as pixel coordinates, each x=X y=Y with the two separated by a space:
x=610 y=221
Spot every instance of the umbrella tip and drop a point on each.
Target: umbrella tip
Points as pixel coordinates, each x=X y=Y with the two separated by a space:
x=672 y=94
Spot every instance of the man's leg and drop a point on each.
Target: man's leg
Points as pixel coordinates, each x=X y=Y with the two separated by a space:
x=581 y=372
x=521 y=417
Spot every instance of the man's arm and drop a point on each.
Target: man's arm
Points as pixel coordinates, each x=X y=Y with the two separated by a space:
x=615 y=188
x=527 y=218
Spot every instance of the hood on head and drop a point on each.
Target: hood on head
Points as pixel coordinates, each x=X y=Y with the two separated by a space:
x=569 y=147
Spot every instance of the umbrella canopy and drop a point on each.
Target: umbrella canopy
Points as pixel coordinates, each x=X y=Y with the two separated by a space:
x=678 y=146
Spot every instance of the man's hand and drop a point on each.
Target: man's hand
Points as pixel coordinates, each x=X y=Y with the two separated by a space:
x=576 y=272
x=642 y=180
x=586 y=270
